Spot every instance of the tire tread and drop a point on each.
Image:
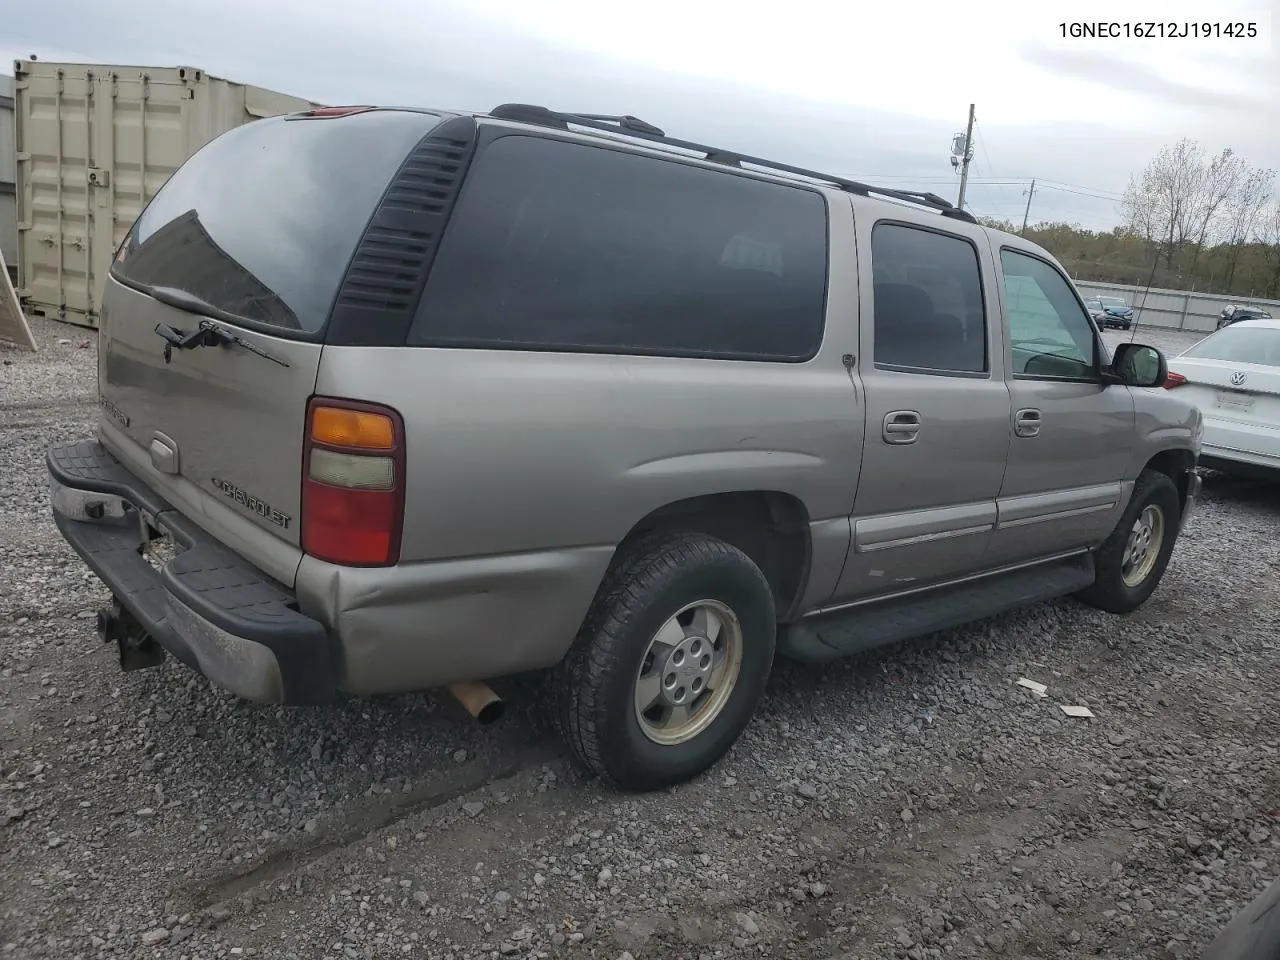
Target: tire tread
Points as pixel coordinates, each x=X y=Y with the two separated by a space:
x=575 y=686
x=1109 y=592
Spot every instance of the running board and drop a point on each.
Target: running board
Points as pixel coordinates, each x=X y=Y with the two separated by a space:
x=840 y=633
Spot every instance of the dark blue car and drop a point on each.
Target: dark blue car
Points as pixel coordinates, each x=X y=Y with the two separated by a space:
x=1110 y=312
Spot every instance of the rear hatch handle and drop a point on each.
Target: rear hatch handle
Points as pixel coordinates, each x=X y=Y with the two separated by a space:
x=208 y=334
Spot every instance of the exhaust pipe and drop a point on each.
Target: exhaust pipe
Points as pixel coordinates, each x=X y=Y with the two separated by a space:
x=480 y=700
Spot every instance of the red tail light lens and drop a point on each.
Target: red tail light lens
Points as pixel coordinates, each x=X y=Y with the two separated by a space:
x=1174 y=380
x=353 y=483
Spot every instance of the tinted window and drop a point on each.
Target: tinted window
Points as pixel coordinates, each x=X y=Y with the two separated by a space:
x=564 y=246
x=928 y=301
x=262 y=221
x=1239 y=345
x=1050 y=334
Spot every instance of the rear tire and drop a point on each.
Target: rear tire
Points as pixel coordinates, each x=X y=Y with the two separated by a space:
x=684 y=624
x=1253 y=934
x=1133 y=559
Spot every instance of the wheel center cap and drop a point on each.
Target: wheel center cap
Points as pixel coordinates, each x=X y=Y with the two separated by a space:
x=686 y=670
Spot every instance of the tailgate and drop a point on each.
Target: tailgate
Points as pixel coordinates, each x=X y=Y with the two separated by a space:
x=248 y=242
x=215 y=422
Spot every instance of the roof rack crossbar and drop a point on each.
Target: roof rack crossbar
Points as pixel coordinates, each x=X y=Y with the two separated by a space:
x=634 y=127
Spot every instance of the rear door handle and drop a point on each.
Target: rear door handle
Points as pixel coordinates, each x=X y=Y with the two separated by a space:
x=901 y=426
x=1026 y=423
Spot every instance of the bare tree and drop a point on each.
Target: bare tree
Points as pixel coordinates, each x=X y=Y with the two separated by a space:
x=1243 y=209
x=1177 y=200
x=1219 y=180
x=1269 y=236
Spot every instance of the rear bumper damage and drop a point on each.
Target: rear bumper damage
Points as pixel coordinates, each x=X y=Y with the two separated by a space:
x=206 y=606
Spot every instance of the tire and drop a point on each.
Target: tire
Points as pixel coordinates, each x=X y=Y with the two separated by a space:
x=593 y=692
x=1253 y=934
x=1111 y=591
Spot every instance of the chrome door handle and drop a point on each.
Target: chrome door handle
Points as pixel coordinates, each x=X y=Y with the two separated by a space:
x=1026 y=423
x=900 y=427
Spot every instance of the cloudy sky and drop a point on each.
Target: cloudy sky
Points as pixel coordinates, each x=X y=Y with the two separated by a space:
x=875 y=93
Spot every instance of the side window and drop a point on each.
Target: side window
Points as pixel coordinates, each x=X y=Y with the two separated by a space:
x=1050 y=335
x=564 y=246
x=927 y=294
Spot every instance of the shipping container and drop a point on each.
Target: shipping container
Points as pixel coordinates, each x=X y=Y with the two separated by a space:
x=8 y=178
x=94 y=142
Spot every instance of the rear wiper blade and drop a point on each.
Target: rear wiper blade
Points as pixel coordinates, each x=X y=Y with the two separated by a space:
x=173 y=297
x=208 y=334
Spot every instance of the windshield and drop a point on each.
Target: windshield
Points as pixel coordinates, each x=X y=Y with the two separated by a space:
x=261 y=223
x=1239 y=344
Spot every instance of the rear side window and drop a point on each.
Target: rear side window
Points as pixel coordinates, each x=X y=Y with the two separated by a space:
x=262 y=221
x=929 y=315
x=562 y=246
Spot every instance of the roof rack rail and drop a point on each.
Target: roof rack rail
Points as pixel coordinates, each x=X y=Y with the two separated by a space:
x=635 y=127
x=629 y=123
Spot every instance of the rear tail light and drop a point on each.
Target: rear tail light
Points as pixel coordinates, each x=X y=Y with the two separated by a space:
x=1174 y=380
x=353 y=483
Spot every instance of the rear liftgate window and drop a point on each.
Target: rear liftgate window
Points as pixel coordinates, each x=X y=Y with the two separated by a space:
x=562 y=246
x=262 y=222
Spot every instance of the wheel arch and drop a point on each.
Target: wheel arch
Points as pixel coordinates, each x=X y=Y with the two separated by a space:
x=1176 y=463
x=769 y=526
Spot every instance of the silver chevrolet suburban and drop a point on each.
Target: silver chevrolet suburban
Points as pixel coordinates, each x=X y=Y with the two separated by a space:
x=400 y=399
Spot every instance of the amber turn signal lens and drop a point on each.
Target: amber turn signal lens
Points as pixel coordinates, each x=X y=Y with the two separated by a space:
x=352 y=428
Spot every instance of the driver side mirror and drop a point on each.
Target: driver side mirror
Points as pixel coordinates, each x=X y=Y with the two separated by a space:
x=1138 y=365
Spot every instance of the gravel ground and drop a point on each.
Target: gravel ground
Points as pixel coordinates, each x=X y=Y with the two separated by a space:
x=914 y=802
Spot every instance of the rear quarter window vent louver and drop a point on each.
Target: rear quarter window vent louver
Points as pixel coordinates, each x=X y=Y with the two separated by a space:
x=374 y=306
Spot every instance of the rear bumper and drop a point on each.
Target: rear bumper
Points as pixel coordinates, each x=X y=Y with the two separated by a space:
x=1224 y=455
x=206 y=606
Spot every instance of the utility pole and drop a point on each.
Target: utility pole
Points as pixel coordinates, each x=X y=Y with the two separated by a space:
x=1030 y=193
x=968 y=155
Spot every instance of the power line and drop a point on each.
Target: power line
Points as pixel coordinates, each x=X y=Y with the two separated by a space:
x=1080 y=193
x=1098 y=192
x=1077 y=186
x=985 y=156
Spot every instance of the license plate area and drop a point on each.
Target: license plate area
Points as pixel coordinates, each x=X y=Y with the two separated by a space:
x=1230 y=400
x=156 y=545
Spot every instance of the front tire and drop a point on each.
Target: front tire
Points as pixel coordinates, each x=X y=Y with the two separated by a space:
x=670 y=662
x=1133 y=559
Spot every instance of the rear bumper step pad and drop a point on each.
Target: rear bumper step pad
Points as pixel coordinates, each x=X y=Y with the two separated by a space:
x=208 y=607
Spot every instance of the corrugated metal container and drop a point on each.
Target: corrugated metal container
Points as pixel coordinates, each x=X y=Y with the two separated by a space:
x=94 y=144
x=8 y=177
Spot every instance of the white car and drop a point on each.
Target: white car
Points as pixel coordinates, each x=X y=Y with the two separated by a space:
x=1233 y=376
